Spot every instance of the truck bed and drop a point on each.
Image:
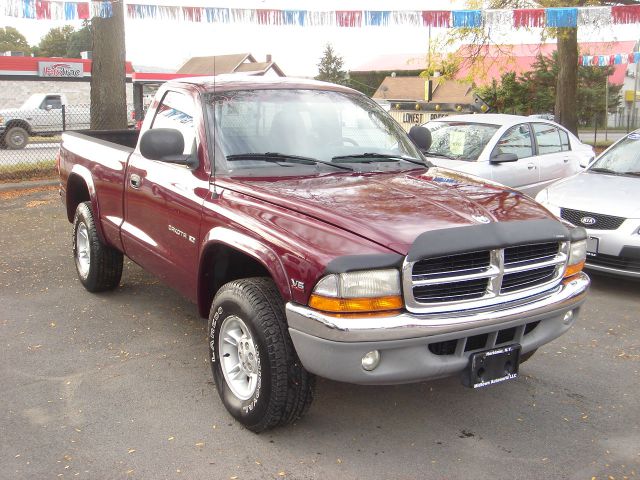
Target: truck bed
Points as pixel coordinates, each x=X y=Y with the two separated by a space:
x=125 y=138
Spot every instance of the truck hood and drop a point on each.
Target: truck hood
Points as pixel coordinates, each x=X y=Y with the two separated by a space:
x=392 y=209
x=9 y=112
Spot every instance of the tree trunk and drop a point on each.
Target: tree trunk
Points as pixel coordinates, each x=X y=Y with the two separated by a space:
x=566 y=111
x=108 y=76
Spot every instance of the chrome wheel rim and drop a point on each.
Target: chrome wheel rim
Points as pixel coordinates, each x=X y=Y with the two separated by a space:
x=83 y=253
x=238 y=357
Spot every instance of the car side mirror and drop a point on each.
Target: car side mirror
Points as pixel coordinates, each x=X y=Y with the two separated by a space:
x=48 y=108
x=421 y=137
x=167 y=145
x=504 y=157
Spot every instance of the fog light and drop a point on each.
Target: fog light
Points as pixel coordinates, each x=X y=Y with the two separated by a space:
x=371 y=360
x=568 y=317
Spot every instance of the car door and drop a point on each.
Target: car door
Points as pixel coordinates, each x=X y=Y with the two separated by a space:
x=49 y=115
x=522 y=174
x=163 y=201
x=554 y=159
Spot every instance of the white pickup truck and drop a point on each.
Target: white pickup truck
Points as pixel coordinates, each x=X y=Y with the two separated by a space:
x=43 y=114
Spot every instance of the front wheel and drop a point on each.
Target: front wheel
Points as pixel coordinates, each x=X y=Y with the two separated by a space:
x=99 y=266
x=16 y=138
x=256 y=370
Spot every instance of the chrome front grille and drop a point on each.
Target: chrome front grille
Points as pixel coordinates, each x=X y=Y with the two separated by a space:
x=482 y=278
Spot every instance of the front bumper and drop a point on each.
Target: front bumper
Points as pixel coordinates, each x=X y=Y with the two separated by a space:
x=618 y=250
x=421 y=347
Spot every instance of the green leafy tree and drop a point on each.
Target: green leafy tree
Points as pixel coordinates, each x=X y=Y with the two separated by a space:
x=330 y=67
x=55 y=42
x=12 y=40
x=79 y=41
x=535 y=91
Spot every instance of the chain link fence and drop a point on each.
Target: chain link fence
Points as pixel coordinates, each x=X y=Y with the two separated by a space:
x=29 y=139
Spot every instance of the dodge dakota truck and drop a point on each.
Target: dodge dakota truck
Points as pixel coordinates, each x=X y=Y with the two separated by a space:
x=307 y=226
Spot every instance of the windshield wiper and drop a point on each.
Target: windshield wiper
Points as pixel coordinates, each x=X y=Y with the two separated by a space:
x=440 y=155
x=375 y=157
x=276 y=157
x=603 y=170
x=635 y=174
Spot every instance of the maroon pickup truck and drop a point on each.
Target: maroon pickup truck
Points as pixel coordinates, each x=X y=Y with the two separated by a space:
x=309 y=228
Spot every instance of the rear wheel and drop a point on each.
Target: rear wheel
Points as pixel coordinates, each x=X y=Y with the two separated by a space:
x=99 y=266
x=256 y=370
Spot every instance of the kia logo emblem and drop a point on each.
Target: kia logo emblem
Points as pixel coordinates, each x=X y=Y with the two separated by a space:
x=588 y=220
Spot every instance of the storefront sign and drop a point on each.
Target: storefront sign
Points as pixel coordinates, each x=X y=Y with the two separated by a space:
x=60 y=69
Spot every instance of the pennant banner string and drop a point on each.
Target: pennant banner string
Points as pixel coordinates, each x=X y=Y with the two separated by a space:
x=517 y=18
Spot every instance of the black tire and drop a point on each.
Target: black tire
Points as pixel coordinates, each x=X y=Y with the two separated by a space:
x=284 y=389
x=16 y=138
x=104 y=268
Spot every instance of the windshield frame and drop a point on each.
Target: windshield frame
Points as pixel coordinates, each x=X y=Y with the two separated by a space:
x=387 y=123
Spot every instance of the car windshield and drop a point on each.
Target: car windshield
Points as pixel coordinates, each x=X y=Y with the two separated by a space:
x=267 y=132
x=459 y=140
x=621 y=159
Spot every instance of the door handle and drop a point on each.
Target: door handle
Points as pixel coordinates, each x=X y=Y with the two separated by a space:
x=135 y=180
x=565 y=159
x=531 y=166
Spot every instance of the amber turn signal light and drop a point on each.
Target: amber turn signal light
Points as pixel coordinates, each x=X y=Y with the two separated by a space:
x=573 y=269
x=352 y=305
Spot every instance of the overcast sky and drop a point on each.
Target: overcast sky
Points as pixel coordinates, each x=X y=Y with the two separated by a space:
x=297 y=50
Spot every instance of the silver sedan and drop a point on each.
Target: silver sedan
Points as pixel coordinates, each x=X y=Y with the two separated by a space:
x=524 y=153
x=605 y=199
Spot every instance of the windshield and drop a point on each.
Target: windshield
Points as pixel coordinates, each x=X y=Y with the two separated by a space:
x=622 y=159
x=259 y=130
x=459 y=140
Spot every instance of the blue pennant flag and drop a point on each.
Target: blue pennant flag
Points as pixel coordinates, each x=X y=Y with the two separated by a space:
x=561 y=17
x=467 y=18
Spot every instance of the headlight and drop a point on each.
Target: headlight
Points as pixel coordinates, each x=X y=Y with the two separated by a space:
x=363 y=291
x=542 y=196
x=577 y=257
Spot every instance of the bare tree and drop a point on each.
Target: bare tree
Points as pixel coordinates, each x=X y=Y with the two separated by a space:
x=108 y=75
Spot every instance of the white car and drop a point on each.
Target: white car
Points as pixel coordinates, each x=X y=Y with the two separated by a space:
x=524 y=153
x=605 y=200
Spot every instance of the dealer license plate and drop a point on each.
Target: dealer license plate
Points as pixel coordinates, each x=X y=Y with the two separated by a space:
x=592 y=245
x=492 y=366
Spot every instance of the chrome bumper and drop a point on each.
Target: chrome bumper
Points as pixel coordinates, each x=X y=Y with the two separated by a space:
x=333 y=347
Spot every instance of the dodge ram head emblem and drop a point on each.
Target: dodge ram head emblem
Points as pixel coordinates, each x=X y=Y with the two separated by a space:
x=481 y=218
x=588 y=220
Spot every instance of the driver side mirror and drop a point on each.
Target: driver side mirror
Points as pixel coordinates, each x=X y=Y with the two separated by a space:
x=167 y=145
x=48 y=108
x=421 y=137
x=504 y=157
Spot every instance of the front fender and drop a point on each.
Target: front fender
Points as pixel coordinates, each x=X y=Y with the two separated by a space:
x=252 y=247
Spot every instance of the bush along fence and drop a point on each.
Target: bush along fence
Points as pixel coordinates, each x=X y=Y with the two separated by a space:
x=30 y=138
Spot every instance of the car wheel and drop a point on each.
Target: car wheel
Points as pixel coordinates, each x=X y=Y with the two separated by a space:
x=16 y=138
x=256 y=370
x=99 y=266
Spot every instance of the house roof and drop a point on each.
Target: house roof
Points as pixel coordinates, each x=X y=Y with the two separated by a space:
x=223 y=64
x=394 y=63
x=413 y=88
x=259 y=68
x=496 y=60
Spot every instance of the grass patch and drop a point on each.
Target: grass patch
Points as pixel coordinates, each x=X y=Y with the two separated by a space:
x=34 y=171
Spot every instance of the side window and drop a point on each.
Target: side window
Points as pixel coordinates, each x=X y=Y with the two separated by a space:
x=176 y=111
x=547 y=138
x=51 y=102
x=564 y=140
x=515 y=140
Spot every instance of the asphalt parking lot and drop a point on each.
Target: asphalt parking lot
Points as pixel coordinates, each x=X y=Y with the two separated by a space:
x=118 y=385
